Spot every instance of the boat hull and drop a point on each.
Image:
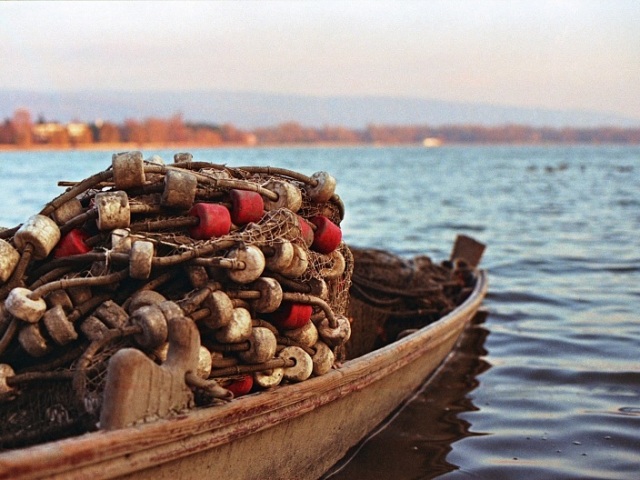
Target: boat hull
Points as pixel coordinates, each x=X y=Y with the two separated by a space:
x=293 y=432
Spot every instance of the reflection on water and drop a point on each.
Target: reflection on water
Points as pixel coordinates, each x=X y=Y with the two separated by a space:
x=418 y=437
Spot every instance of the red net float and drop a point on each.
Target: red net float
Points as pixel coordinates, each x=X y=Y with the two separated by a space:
x=246 y=206
x=306 y=231
x=327 y=236
x=240 y=386
x=215 y=221
x=72 y=244
x=291 y=315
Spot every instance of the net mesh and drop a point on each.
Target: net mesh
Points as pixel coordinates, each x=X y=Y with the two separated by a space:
x=59 y=405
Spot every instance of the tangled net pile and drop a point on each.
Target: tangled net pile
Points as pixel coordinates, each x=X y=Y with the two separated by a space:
x=132 y=256
x=398 y=295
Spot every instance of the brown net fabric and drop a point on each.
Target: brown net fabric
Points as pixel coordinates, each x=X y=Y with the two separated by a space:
x=391 y=295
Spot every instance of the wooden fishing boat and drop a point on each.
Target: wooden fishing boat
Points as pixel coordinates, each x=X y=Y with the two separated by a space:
x=293 y=431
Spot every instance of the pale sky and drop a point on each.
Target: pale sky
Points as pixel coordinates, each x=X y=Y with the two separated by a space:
x=562 y=54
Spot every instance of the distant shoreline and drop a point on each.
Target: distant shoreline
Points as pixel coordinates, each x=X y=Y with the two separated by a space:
x=131 y=146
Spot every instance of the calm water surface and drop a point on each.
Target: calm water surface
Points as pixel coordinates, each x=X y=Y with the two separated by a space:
x=548 y=387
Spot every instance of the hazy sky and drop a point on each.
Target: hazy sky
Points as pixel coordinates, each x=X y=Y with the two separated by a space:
x=556 y=54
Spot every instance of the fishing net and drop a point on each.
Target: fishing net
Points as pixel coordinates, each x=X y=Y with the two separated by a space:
x=53 y=368
x=398 y=295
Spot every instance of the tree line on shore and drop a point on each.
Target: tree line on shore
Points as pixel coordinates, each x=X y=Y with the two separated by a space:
x=21 y=131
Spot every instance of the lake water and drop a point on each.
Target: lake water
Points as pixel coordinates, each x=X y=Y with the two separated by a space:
x=548 y=386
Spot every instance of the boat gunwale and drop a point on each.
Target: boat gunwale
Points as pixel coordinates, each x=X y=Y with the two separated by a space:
x=208 y=427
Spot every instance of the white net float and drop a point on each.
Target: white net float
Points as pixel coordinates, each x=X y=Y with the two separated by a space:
x=338 y=335
x=93 y=328
x=59 y=297
x=289 y=196
x=113 y=210
x=39 y=231
x=20 y=304
x=318 y=288
x=143 y=298
x=336 y=266
x=239 y=328
x=121 y=240
x=324 y=188
x=323 y=358
x=254 y=264
x=33 y=341
x=141 y=259
x=9 y=258
x=154 y=160
x=269 y=378
x=67 y=211
x=280 y=255
x=112 y=314
x=220 y=309
x=59 y=327
x=153 y=325
x=128 y=170
x=303 y=365
x=265 y=295
x=307 y=335
x=6 y=372
x=170 y=309
x=299 y=264
x=262 y=346
x=204 y=362
x=198 y=276
x=179 y=190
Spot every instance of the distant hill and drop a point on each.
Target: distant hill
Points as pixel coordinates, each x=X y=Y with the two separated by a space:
x=250 y=110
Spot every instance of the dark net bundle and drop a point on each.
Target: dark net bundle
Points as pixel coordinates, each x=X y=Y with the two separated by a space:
x=109 y=263
x=400 y=295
